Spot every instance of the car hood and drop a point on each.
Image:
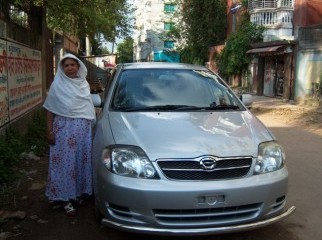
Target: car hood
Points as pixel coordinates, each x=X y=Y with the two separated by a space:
x=189 y=135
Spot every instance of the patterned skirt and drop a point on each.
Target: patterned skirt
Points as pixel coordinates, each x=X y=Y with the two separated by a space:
x=70 y=165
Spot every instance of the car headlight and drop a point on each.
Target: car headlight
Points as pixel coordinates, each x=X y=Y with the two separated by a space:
x=129 y=161
x=271 y=157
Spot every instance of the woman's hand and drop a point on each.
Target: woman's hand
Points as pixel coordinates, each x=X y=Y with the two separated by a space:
x=49 y=128
x=51 y=137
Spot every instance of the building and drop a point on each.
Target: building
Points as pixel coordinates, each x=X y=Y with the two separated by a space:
x=152 y=41
x=288 y=62
x=234 y=11
x=272 y=65
x=308 y=33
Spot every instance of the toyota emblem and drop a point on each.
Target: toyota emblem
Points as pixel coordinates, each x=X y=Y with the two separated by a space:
x=208 y=163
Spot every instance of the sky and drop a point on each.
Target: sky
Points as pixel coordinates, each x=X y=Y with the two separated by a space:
x=109 y=45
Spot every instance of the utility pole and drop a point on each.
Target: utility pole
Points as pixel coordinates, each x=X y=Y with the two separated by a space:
x=113 y=46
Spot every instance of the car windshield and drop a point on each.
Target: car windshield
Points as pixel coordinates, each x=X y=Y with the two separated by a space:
x=172 y=90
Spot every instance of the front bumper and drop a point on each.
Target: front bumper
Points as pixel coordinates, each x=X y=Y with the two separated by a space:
x=200 y=231
x=191 y=207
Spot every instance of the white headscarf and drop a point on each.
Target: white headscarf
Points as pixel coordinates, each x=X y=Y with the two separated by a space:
x=70 y=97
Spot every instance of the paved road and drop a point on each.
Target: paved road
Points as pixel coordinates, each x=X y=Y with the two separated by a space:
x=304 y=157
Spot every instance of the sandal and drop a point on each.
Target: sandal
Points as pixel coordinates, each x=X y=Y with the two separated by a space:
x=69 y=209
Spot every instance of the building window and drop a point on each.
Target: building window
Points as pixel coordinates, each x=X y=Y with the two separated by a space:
x=169 y=7
x=168 y=26
x=262 y=4
x=287 y=3
x=168 y=44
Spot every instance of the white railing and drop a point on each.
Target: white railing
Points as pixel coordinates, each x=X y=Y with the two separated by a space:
x=285 y=3
x=262 y=4
x=273 y=18
x=258 y=4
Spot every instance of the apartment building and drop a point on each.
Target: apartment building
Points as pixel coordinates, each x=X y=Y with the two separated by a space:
x=288 y=62
x=153 y=19
x=273 y=60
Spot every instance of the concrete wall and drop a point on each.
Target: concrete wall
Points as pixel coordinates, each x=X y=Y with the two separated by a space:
x=309 y=70
x=308 y=60
x=24 y=67
x=307 y=13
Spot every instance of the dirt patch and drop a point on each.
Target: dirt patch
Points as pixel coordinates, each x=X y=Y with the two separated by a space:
x=26 y=213
x=22 y=196
x=308 y=118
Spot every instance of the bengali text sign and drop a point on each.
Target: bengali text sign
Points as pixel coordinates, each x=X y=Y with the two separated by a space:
x=4 y=101
x=24 y=79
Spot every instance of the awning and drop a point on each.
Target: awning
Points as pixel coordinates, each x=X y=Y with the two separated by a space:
x=272 y=49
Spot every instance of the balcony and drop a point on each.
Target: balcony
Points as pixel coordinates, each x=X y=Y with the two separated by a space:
x=275 y=15
x=264 y=4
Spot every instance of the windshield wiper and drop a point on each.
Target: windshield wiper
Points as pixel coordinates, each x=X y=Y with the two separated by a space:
x=158 y=108
x=176 y=108
x=222 y=107
x=219 y=107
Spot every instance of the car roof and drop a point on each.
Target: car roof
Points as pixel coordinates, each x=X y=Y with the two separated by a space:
x=161 y=65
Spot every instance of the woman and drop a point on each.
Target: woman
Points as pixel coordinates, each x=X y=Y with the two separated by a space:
x=70 y=115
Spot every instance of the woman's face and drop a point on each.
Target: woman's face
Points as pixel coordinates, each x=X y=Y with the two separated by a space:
x=70 y=67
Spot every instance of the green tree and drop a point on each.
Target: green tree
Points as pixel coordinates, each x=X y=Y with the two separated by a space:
x=203 y=24
x=125 y=51
x=98 y=49
x=233 y=60
x=107 y=18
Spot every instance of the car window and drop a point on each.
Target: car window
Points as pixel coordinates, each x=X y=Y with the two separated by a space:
x=109 y=83
x=161 y=87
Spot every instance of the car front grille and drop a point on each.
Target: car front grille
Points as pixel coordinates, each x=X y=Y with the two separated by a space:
x=207 y=216
x=191 y=169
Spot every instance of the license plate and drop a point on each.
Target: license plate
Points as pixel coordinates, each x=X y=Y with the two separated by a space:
x=211 y=199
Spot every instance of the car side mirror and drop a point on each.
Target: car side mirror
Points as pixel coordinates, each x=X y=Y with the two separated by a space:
x=97 y=101
x=247 y=99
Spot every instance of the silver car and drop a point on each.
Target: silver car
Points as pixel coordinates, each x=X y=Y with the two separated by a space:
x=176 y=152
